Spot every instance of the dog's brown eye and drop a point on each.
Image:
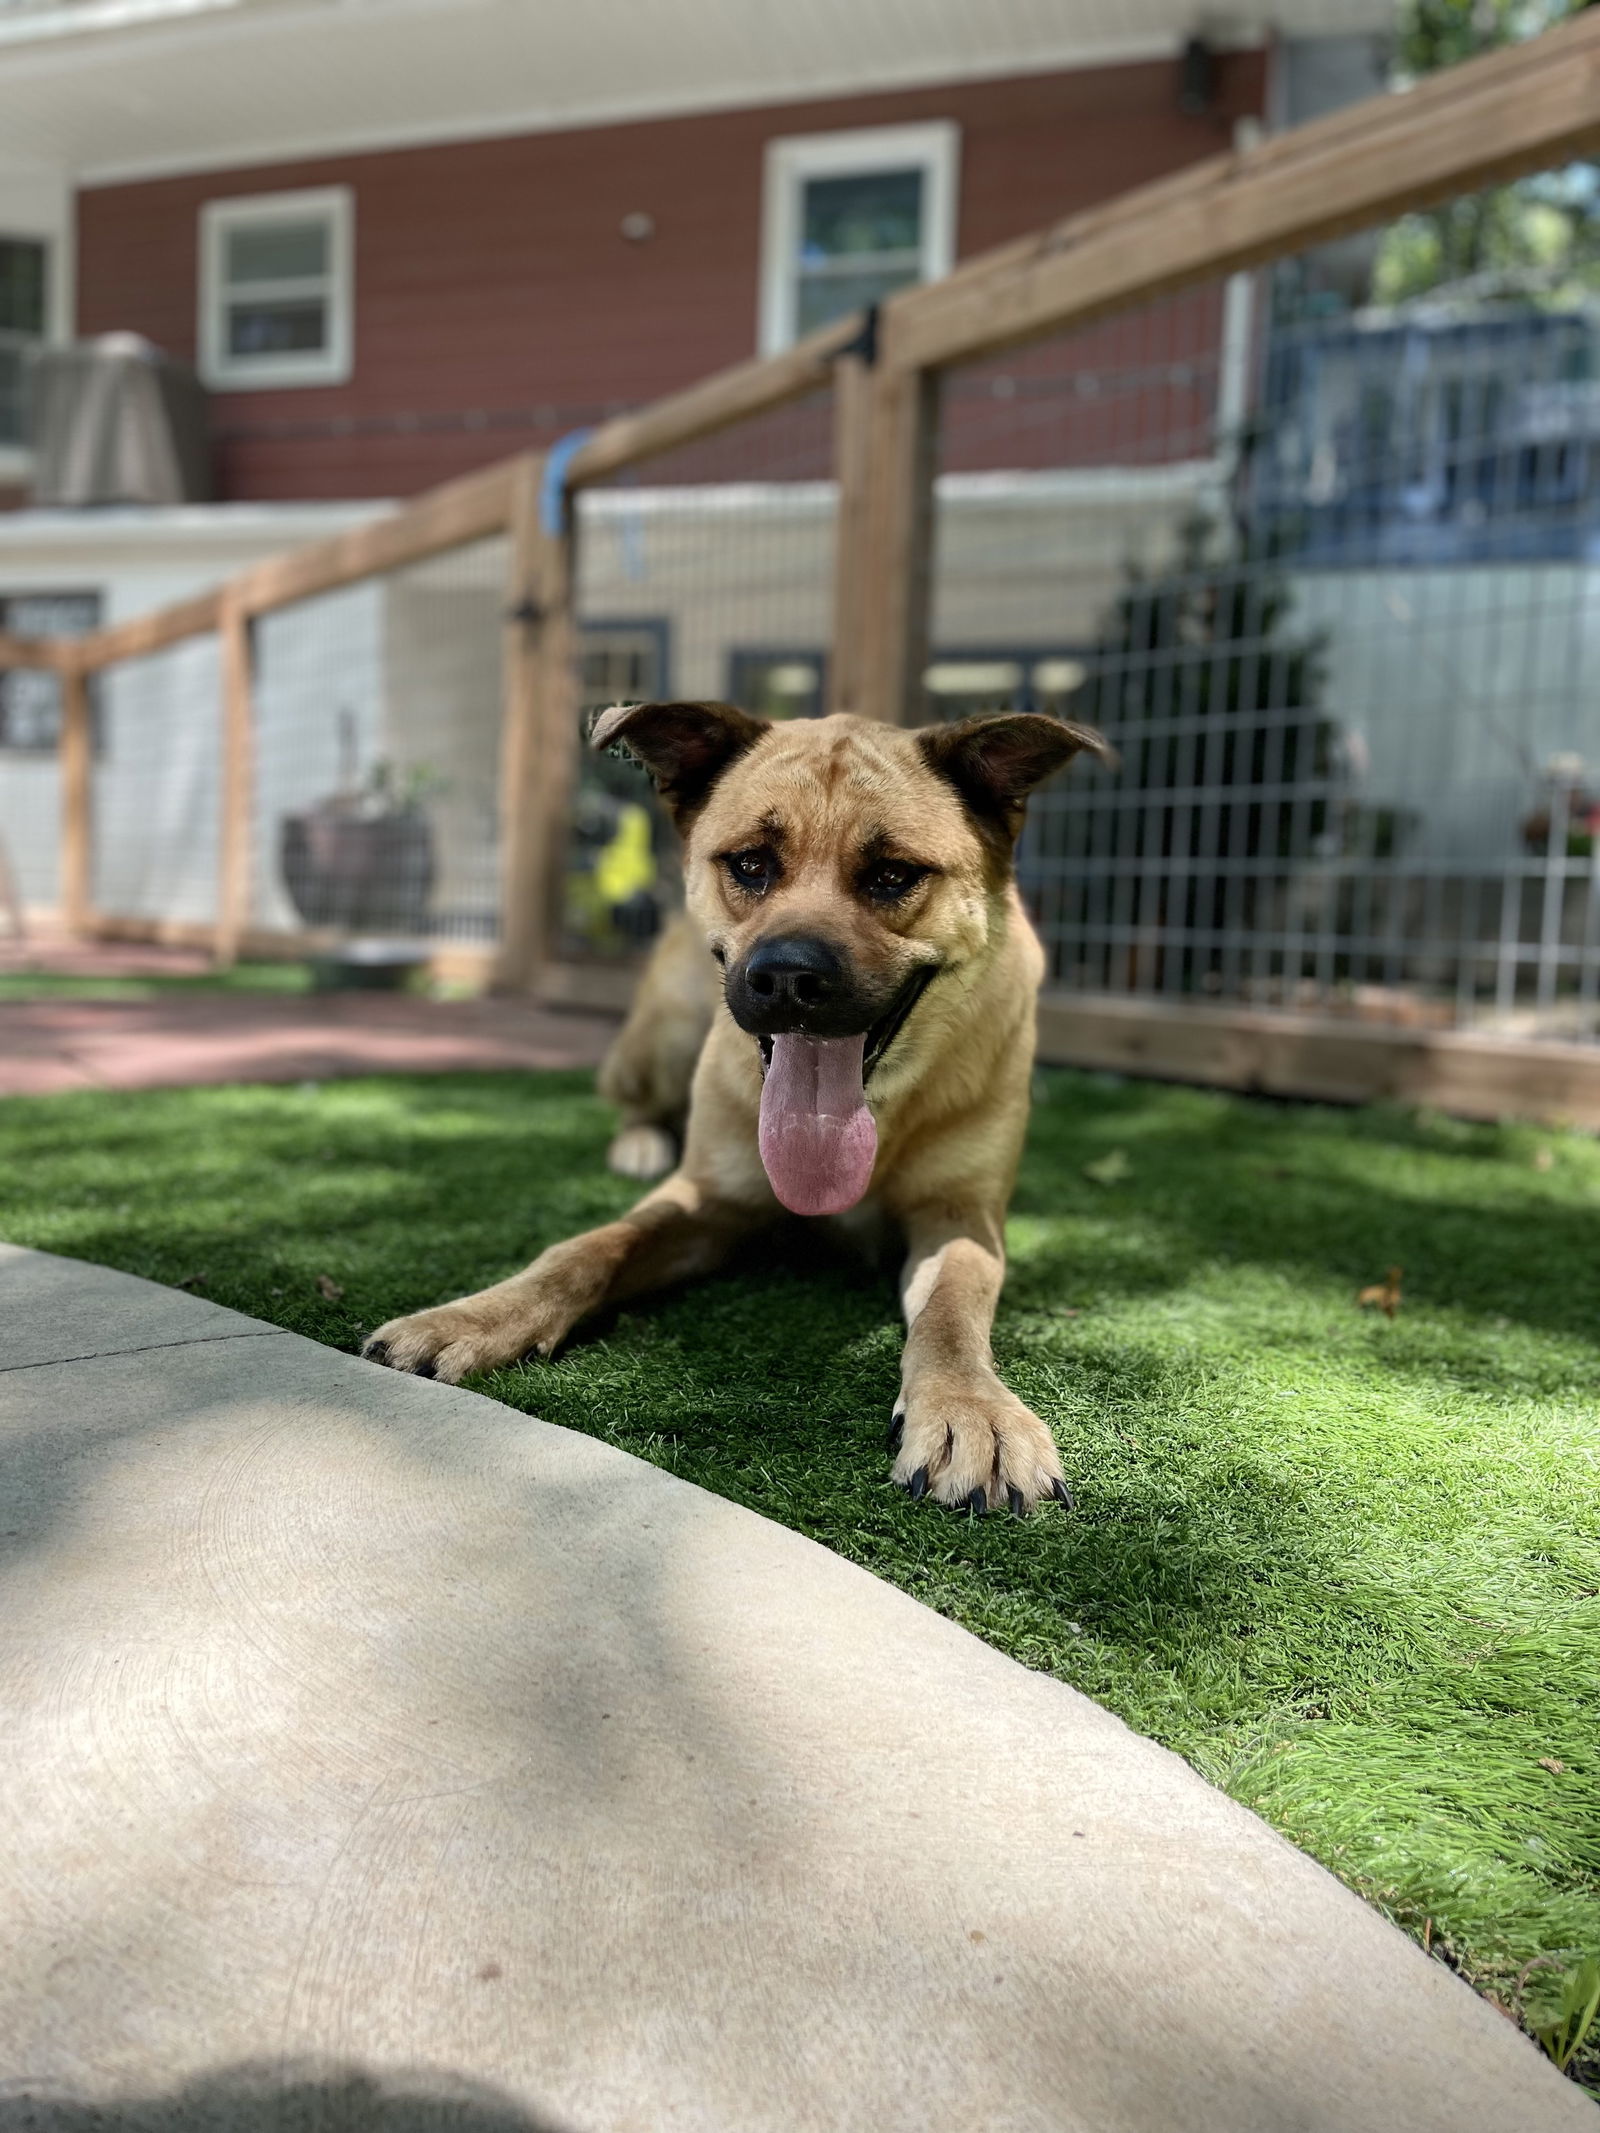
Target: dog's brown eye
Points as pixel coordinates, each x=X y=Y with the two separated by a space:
x=755 y=868
x=887 y=880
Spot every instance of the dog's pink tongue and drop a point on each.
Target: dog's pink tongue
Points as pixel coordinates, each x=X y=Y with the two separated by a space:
x=818 y=1140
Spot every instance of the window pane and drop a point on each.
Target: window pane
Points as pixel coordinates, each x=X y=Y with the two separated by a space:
x=30 y=709
x=837 y=292
x=50 y=614
x=21 y=285
x=874 y=211
x=13 y=405
x=295 y=325
x=277 y=251
x=30 y=702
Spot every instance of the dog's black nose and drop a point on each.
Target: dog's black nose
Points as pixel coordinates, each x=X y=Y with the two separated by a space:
x=793 y=971
x=789 y=981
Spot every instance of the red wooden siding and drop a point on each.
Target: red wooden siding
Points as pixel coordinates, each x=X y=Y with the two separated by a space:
x=497 y=303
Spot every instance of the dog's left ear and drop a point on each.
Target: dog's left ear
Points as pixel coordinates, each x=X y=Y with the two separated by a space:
x=995 y=762
x=685 y=747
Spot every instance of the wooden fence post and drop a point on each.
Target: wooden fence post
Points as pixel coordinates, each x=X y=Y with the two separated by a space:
x=539 y=735
x=892 y=530
x=236 y=787
x=852 y=437
x=77 y=798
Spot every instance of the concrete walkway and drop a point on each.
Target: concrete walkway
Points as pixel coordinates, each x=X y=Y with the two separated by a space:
x=378 y=1758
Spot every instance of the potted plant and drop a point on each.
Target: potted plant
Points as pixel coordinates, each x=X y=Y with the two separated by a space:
x=362 y=859
x=1566 y=819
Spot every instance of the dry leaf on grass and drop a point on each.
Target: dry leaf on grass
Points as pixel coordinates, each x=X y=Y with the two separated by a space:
x=1108 y=1169
x=1383 y=1295
x=329 y=1287
x=1543 y=1159
x=1548 y=1762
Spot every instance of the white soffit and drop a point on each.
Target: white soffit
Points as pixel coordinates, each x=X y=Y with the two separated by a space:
x=115 y=89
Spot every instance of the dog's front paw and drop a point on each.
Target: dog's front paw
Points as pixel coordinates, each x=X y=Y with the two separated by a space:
x=642 y=1152
x=478 y=1333
x=970 y=1443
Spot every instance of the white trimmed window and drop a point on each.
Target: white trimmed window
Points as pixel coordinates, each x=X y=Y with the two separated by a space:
x=848 y=218
x=275 y=289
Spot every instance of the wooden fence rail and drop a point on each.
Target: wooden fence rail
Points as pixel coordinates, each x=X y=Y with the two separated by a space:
x=1524 y=108
x=37 y=652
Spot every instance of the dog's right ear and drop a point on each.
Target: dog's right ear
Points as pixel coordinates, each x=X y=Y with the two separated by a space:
x=685 y=747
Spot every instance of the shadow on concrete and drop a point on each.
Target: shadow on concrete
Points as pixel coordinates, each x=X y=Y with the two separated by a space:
x=252 y=2099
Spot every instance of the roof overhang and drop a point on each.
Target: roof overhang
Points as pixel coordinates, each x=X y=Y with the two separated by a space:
x=104 y=91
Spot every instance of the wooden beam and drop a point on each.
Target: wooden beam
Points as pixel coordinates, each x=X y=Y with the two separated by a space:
x=11 y=897
x=236 y=798
x=539 y=735
x=50 y=653
x=144 y=634
x=716 y=403
x=472 y=509
x=475 y=508
x=76 y=857
x=893 y=546
x=1525 y=107
x=455 y=962
x=1468 y=1073
x=852 y=441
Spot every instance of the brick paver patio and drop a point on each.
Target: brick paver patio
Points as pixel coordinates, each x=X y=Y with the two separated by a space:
x=174 y=1039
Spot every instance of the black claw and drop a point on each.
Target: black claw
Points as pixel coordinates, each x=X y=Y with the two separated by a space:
x=423 y=1370
x=1061 y=1493
x=1018 y=1508
x=897 y=1430
x=978 y=1501
x=918 y=1484
x=376 y=1351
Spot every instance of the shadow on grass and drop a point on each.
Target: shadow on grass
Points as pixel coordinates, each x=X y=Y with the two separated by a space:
x=443 y=1185
x=1317 y=1193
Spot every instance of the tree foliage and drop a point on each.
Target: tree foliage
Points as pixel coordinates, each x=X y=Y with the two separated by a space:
x=1203 y=678
x=1538 y=239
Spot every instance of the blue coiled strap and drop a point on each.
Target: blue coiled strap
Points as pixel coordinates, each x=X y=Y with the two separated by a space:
x=552 y=491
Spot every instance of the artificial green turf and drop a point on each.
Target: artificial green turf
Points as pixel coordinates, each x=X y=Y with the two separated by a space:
x=69 y=985
x=1348 y=1567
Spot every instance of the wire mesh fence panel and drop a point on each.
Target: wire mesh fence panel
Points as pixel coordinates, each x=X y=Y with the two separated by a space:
x=1324 y=571
x=30 y=737
x=704 y=573
x=156 y=785
x=377 y=756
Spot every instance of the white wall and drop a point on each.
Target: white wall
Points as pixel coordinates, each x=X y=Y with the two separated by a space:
x=157 y=786
x=137 y=561
x=1457 y=686
x=319 y=695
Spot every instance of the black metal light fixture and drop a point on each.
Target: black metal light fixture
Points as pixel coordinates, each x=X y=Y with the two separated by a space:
x=1197 y=78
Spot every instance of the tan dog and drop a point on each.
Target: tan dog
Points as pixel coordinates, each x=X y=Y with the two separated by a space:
x=649 y=1071
x=874 y=1051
